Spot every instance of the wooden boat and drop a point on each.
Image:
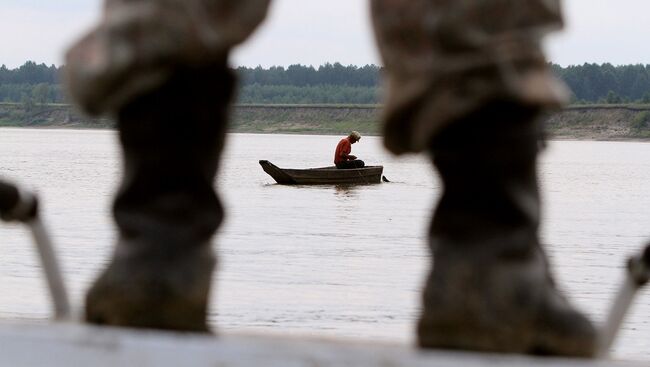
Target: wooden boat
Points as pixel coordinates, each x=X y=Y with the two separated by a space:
x=323 y=176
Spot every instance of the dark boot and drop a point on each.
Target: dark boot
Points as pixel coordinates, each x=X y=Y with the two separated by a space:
x=166 y=208
x=490 y=288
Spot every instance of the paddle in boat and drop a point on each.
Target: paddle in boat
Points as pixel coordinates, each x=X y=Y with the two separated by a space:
x=323 y=176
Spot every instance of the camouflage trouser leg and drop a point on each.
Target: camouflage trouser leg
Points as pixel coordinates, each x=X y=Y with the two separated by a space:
x=160 y=68
x=166 y=209
x=467 y=83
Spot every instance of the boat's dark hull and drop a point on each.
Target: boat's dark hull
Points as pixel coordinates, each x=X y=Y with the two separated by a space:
x=324 y=175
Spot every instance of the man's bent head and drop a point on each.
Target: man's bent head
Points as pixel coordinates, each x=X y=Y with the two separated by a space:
x=354 y=137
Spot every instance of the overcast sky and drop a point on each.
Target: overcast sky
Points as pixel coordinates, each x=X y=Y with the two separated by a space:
x=313 y=32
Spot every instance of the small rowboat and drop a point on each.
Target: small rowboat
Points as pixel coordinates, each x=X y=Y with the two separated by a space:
x=324 y=175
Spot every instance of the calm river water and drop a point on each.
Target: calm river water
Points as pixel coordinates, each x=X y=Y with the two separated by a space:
x=327 y=261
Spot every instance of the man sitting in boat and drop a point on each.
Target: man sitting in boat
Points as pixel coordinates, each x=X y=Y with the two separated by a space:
x=342 y=157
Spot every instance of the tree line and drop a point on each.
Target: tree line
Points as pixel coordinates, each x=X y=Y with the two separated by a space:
x=34 y=83
x=606 y=83
x=31 y=83
x=301 y=75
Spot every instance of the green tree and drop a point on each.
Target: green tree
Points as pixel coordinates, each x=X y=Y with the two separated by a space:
x=27 y=102
x=613 y=98
x=41 y=93
x=646 y=98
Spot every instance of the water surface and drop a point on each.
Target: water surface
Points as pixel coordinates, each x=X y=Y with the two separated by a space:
x=345 y=262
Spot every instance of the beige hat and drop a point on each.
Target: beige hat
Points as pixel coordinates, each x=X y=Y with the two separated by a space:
x=356 y=135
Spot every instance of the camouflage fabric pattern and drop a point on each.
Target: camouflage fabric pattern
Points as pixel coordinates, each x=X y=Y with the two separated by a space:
x=447 y=58
x=138 y=44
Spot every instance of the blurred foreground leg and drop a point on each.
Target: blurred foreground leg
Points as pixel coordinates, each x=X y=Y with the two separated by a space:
x=490 y=288
x=467 y=83
x=160 y=68
x=166 y=209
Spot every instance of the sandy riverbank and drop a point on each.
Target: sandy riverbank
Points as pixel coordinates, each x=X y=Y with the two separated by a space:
x=591 y=122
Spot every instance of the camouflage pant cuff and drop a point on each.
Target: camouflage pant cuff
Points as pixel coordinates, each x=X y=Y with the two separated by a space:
x=139 y=44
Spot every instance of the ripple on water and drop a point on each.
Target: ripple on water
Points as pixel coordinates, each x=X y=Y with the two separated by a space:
x=343 y=262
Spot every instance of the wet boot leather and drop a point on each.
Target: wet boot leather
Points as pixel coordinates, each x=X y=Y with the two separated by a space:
x=166 y=208
x=490 y=288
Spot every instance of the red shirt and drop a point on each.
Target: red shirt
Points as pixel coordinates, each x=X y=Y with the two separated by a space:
x=344 y=147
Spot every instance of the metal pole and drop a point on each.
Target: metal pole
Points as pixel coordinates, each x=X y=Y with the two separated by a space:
x=17 y=205
x=638 y=274
x=51 y=269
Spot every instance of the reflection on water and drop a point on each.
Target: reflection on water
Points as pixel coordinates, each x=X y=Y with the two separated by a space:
x=345 y=191
x=344 y=261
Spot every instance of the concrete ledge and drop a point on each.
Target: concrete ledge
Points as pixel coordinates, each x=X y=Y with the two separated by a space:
x=82 y=345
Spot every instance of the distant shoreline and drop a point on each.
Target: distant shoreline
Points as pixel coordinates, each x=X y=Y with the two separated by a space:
x=579 y=122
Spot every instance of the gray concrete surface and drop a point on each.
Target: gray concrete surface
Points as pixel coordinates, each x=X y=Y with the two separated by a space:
x=63 y=344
